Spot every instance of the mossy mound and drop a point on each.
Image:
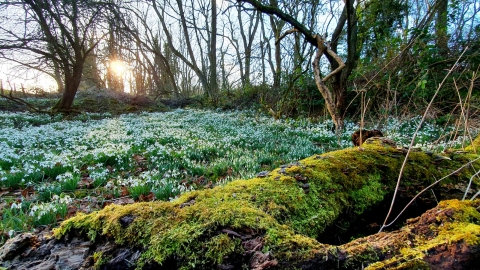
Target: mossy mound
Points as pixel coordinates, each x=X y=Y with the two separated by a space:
x=108 y=101
x=271 y=219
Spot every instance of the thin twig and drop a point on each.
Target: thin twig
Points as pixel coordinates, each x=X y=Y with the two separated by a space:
x=434 y=196
x=470 y=183
x=414 y=137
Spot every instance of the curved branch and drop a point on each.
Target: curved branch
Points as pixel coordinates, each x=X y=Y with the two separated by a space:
x=23 y=102
x=288 y=32
x=341 y=64
x=289 y=19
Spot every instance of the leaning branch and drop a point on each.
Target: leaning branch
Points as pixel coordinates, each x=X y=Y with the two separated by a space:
x=22 y=102
x=289 y=19
x=341 y=64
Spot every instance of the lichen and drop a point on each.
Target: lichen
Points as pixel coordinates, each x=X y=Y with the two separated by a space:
x=289 y=207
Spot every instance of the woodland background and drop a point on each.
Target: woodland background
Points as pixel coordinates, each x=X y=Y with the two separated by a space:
x=227 y=54
x=177 y=101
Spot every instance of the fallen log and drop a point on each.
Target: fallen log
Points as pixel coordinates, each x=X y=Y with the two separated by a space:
x=273 y=220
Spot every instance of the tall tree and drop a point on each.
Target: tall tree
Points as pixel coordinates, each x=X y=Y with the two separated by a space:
x=335 y=96
x=56 y=32
x=441 y=26
x=193 y=36
x=115 y=44
x=242 y=33
x=212 y=54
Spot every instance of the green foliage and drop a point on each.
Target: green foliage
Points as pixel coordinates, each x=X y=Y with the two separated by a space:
x=378 y=22
x=46 y=192
x=138 y=190
x=69 y=181
x=168 y=154
x=14 y=180
x=276 y=207
x=166 y=192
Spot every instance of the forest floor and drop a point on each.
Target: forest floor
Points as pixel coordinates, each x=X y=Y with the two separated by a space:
x=126 y=150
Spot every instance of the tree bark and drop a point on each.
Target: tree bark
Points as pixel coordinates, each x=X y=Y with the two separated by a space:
x=71 y=86
x=441 y=27
x=213 y=85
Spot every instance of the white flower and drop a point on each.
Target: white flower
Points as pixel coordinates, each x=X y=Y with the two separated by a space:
x=11 y=233
x=16 y=206
x=66 y=199
x=33 y=210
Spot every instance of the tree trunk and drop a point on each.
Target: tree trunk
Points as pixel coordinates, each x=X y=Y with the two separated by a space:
x=71 y=86
x=277 y=27
x=441 y=27
x=340 y=71
x=285 y=211
x=213 y=85
x=189 y=60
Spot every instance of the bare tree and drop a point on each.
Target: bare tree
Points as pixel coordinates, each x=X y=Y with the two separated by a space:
x=150 y=53
x=335 y=97
x=242 y=32
x=193 y=36
x=55 y=33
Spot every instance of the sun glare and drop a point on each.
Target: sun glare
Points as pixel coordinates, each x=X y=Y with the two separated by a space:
x=118 y=67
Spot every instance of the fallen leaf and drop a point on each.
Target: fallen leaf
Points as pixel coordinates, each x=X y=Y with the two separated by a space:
x=124 y=192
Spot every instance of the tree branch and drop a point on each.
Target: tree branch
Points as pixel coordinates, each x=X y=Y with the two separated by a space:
x=22 y=102
x=289 y=19
x=288 y=32
x=339 y=60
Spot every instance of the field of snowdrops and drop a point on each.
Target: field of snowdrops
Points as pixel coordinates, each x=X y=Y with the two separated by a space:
x=52 y=168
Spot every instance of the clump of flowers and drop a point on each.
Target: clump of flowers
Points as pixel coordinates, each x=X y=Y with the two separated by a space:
x=68 y=181
x=98 y=175
x=46 y=213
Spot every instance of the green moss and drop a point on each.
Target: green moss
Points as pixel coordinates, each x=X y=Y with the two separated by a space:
x=220 y=246
x=457 y=222
x=371 y=193
x=289 y=208
x=99 y=259
x=475 y=146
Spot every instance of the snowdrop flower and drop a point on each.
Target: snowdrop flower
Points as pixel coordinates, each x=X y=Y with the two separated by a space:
x=66 y=199
x=33 y=210
x=16 y=206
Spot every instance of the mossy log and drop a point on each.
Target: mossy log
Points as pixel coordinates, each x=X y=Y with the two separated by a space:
x=277 y=219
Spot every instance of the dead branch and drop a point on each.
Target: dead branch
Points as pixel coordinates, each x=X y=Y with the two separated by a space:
x=23 y=102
